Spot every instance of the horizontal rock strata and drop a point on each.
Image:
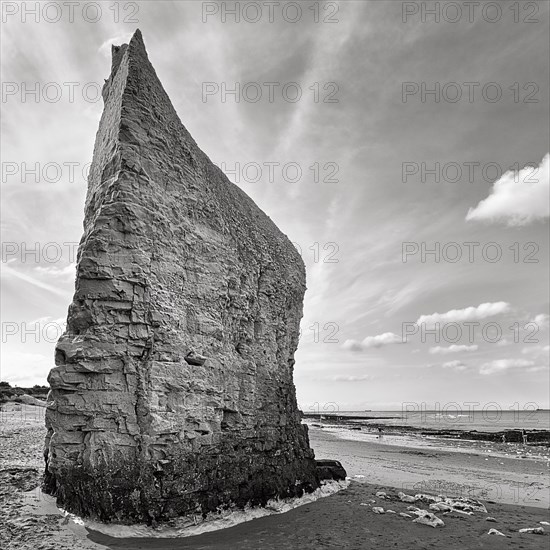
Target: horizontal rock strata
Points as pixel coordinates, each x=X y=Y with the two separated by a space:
x=174 y=259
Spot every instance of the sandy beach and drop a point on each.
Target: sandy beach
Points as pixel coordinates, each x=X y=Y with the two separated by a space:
x=509 y=474
x=514 y=491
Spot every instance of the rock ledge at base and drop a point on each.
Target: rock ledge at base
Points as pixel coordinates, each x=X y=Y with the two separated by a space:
x=176 y=266
x=330 y=469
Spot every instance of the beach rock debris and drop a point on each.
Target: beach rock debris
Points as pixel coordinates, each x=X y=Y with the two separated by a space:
x=496 y=532
x=440 y=507
x=173 y=388
x=533 y=530
x=427 y=518
x=445 y=504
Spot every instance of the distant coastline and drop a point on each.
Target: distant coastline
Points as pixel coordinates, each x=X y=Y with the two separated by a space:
x=537 y=431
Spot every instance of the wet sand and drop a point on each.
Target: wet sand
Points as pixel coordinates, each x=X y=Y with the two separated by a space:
x=470 y=469
x=343 y=521
x=346 y=519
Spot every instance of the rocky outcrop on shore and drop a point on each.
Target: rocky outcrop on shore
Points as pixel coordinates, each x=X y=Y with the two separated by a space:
x=540 y=437
x=173 y=388
x=330 y=469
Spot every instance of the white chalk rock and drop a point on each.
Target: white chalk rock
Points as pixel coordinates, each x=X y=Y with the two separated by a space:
x=405 y=498
x=457 y=511
x=533 y=530
x=390 y=512
x=381 y=494
x=427 y=498
x=404 y=515
x=378 y=509
x=466 y=505
x=427 y=518
x=496 y=532
x=544 y=523
x=491 y=519
x=440 y=507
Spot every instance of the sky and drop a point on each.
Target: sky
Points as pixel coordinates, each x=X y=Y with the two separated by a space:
x=406 y=158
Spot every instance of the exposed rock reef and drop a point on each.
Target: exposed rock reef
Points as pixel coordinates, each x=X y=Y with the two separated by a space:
x=174 y=259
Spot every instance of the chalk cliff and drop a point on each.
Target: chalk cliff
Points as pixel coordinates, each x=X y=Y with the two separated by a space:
x=174 y=259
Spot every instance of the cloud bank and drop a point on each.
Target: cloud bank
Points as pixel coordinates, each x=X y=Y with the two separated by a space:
x=517 y=198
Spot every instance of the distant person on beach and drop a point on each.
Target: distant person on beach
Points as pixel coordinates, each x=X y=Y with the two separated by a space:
x=380 y=432
x=524 y=436
x=504 y=438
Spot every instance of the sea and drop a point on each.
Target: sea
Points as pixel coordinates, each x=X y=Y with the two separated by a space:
x=487 y=420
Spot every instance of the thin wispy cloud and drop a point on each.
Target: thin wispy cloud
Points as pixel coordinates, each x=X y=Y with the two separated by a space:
x=68 y=272
x=501 y=365
x=536 y=350
x=11 y=273
x=455 y=365
x=454 y=348
x=350 y=378
x=378 y=341
x=482 y=311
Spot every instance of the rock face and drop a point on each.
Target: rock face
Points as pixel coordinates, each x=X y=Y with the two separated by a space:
x=174 y=258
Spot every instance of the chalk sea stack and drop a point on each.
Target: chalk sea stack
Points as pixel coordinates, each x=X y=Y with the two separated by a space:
x=177 y=266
